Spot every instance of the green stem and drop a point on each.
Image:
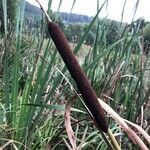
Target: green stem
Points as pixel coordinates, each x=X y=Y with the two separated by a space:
x=113 y=140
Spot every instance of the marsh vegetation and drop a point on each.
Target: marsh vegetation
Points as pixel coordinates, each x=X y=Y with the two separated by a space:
x=36 y=89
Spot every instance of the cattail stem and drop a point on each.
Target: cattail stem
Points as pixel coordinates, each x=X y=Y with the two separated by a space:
x=47 y=16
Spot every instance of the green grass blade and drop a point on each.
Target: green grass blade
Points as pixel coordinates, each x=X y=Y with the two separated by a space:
x=15 y=83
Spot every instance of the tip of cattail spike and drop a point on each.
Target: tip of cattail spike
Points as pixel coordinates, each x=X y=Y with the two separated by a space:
x=42 y=8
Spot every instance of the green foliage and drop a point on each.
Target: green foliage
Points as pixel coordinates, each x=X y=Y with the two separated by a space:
x=112 y=32
x=73 y=32
x=90 y=38
x=146 y=32
x=142 y=28
x=11 y=14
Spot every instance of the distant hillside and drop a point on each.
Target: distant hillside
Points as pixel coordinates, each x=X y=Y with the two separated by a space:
x=34 y=11
x=74 y=18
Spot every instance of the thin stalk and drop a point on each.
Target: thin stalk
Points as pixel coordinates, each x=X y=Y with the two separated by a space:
x=113 y=140
x=5 y=60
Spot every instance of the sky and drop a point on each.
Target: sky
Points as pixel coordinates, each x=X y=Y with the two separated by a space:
x=112 y=11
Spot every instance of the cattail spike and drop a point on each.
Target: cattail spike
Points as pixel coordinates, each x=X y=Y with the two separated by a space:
x=86 y=90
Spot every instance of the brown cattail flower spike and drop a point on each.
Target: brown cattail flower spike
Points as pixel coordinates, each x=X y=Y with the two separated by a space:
x=86 y=90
